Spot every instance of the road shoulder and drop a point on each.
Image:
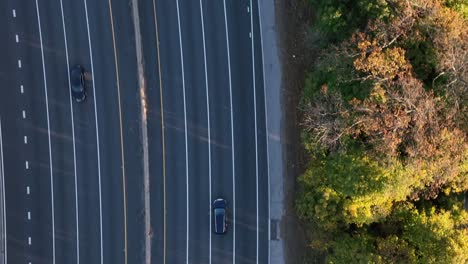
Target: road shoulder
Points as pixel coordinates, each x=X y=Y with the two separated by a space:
x=283 y=28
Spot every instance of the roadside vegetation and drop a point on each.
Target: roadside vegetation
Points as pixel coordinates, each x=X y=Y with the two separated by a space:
x=385 y=122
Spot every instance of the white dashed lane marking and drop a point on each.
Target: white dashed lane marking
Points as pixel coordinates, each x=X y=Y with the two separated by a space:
x=14 y=13
x=19 y=64
x=17 y=38
x=27 y=165
x=29 y=215
x=29 y=240
x=24 y=114
x=28 y=190
x=22 y=89
x=25 y=140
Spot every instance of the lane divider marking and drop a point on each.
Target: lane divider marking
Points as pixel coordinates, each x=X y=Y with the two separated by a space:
x=17 y=38
x=48 y=134
x=187 y=226
x=266 y=129
x=14 y=12
x=22 y=89
x=209 y=128
x=97 y=131
x=4 y=224
x=232 y=141
x=24 y=114
x=77 y=224
x=25 y=140
x=19 y=64
x=27 y=165
x=251 y=35
x=29 y=215
x=28 y=190
x=162 y=131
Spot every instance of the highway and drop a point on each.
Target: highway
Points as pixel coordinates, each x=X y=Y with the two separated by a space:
x=130 y=174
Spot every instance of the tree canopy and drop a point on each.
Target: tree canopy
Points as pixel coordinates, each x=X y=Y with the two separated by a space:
x=385 y=125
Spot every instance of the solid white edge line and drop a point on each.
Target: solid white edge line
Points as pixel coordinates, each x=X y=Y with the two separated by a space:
x=266 y=130
x=209 y=125
x=232 y=141
x=3 y=196
x=48 y=134
x=256 y=127
x=97 y=129
x=186 y=141
x=73 y=137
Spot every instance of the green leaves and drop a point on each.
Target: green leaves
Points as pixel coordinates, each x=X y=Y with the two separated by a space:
x=385 y=126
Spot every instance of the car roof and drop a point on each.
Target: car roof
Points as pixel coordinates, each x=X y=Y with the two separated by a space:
x=76 y=75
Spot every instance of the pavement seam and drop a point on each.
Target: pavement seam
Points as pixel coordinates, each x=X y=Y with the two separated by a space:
x=144 y=128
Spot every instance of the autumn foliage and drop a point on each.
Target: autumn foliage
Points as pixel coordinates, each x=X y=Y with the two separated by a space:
x=385 y=123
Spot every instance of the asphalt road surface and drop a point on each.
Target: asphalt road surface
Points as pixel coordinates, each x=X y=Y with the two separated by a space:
x=75 y=174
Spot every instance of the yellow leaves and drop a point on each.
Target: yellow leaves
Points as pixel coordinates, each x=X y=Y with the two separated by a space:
x=383 y=64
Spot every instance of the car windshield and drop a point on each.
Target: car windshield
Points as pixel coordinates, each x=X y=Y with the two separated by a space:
x=219 y=211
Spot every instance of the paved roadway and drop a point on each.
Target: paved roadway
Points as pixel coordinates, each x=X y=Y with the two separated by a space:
x=74 y=173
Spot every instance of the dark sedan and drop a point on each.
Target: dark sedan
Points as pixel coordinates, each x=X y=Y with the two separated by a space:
x=78 y=88
x=219 y=212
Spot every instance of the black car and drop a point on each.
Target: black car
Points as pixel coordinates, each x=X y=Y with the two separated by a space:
x=78 y=89
x=219 y=212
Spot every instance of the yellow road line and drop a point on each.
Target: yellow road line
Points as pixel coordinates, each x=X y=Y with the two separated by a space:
x=162 y=130
x=121 y=131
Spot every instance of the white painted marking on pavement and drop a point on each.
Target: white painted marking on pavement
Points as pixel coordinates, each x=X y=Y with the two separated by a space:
x=14 y=12
x=19 y=64
x=256 y=130
x=232 y=141
x=2 y=171
x=266 y=131
x=29 y=240
x=209 y=127
x=73 y=137
x=186 y=141
x=17 y=38
x=29 y=215
x=48 y=134
x=25 y=140
x=22 y=89
x=24 y=114
x=28 y=190
x=26 y=164
x=97 y=130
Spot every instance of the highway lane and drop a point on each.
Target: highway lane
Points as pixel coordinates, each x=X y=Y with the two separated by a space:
x=114 y=73
x=238 y=20
x=88 y=168
x=220 y=120
x=26 y=165
x=175 y=132
x=197 y=119
x=62 y=140
x=261 y=133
